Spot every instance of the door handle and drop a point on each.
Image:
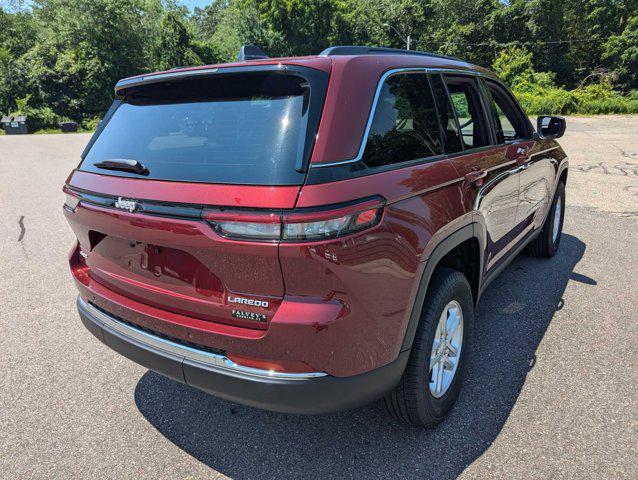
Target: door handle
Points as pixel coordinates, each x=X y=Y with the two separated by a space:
x=519 y=153
x=476 y=177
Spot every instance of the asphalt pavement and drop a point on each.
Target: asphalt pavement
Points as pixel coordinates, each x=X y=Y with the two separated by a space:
x=552 y=390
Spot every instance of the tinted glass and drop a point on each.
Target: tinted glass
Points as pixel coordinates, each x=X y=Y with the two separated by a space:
x=509 y=122
x=248 y=129
x=446 y=116
x=404 y=126
x=467 y=105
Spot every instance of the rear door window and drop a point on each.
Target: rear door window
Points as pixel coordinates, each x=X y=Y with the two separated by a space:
x=404 y=126
x=243 y=129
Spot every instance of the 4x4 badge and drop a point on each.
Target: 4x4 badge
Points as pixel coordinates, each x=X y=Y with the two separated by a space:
x=123 y=204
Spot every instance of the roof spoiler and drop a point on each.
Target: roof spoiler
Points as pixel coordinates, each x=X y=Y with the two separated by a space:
x=250 y=52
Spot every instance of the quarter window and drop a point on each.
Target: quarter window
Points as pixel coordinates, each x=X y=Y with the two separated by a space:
x=447 y=116
x=404 y=126
x=466 y=102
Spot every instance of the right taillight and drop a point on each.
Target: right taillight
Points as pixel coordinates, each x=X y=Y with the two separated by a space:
x=297 y=226
x=306 y=230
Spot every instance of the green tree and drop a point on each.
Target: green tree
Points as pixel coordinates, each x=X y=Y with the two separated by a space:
x=174 y=45
x=511 y=22
x=305 y=26
x=205 y=20
x=547 y=24
x=66 y=55
x=243 y=24
x=81 y=49
x=388 y=22
x=621 y=51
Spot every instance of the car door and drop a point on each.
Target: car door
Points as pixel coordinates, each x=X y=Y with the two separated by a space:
x=536 y=171
x=491 y=185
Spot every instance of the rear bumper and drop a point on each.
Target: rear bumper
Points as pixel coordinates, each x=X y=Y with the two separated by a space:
x=303 y=393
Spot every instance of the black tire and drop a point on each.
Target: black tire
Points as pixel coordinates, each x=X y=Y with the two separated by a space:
x=544 y=246
x=411 y=400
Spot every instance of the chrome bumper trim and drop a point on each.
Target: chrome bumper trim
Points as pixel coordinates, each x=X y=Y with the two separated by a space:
x=215 y=361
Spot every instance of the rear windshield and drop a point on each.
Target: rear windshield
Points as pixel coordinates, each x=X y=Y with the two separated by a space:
x=246 y=129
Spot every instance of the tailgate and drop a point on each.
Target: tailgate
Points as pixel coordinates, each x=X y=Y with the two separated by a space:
x=167 y=256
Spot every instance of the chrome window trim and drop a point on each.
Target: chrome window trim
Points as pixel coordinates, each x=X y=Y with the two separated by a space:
x=541 y=152
x=377 y=94
x=215 y=361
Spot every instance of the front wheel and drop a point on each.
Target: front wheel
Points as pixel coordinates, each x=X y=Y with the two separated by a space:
x=432 y=379
x=547 y=243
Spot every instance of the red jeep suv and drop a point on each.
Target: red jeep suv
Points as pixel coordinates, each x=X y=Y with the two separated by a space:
x=310 y=234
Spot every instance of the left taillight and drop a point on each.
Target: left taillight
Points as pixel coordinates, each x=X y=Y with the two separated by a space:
x=297 y=226
x=72 y=199
x=264 y=227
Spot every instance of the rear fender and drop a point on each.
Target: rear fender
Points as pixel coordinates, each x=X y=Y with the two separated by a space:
x=442 y=248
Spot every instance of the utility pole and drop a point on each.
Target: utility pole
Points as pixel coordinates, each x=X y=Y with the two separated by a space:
x=408 y=40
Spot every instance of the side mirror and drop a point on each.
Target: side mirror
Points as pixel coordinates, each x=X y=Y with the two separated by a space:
x=549 y=127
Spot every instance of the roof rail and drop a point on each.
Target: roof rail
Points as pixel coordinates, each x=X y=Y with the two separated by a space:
x=362 y=50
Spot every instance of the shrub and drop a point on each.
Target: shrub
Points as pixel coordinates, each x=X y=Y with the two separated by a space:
x=546 y=101
x=37 y=118
x=539 y=95
x=602 y=99
x=43 y=117
x=91 y=124
x=514 y=66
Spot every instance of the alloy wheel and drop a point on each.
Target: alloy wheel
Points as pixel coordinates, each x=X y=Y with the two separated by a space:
x=446 y=349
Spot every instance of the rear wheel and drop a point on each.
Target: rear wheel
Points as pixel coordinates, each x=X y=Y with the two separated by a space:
x=547 y=243
x=432 y=379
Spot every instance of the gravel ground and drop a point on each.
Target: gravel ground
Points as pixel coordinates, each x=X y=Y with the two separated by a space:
x=552 y=390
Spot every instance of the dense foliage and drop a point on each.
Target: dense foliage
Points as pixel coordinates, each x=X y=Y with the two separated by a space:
x=61 y=58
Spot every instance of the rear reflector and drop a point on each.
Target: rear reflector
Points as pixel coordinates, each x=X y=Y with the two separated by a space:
x=299 y=226
x=281 y=366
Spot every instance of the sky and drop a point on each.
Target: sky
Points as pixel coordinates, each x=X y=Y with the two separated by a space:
x=12 y=4
x=196 y=3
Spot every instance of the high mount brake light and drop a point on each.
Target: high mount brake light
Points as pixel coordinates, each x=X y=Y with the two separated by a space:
x=297 y=226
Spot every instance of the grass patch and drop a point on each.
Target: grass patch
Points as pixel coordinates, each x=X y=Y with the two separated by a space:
x=47 y=131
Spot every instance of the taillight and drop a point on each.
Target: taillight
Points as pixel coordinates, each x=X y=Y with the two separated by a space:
x=297 y=226
x=295 y=230
x=263 y=227
x=72 y=199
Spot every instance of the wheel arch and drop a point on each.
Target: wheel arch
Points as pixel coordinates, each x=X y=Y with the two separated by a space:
x=453 y=252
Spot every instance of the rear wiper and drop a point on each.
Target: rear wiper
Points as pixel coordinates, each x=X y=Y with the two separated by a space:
x=123 y=164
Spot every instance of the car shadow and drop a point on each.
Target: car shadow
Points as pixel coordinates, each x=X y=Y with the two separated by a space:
x=243 y=443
